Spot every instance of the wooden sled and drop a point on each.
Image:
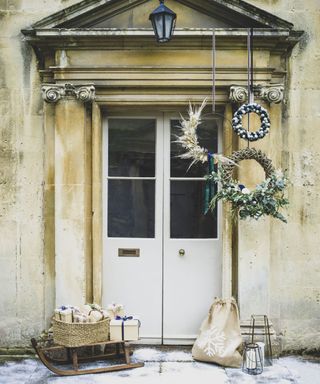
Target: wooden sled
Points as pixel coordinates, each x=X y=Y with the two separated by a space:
x=45 y=355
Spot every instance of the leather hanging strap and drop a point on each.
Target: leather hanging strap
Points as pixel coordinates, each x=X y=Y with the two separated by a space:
x=250 y=72
x=213 y=70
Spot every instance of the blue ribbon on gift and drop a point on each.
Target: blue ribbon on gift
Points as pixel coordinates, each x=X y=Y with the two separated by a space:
x=124 y=318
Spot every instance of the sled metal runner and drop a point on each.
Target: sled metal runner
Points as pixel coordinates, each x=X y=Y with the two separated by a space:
x=73 y=359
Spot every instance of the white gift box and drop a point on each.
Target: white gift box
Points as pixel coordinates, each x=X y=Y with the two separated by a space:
x=124 y=329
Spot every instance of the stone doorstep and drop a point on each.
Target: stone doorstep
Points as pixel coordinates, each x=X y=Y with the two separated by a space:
x=4 y=358
x=16 y=353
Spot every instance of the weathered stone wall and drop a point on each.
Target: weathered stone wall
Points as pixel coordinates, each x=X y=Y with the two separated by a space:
x=23 y=300
x=293 y=265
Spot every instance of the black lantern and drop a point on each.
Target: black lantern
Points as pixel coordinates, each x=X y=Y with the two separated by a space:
x=163 y=22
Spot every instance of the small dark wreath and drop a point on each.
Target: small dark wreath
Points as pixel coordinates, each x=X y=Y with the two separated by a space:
x=248 y=154
x=264 y=118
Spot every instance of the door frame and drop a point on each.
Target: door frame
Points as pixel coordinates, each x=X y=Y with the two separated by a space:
x=229 y=269
x=162 y=190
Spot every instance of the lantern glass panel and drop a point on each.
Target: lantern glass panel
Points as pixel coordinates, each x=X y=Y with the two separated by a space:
x=158 y=21
x=168 y=25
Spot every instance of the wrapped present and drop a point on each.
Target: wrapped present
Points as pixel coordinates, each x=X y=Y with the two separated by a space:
x=57 y=314
x=124 y=328
x=94 y=312
x=95 y=316
x=64 y=313
x=85 y=309
x=88 y=313
x=81 y=318
x=115 y=310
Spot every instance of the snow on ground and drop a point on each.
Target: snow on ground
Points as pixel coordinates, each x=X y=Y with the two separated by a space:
x=276 y=374
x=155 y=354
x=306 y=372
x=166 y=367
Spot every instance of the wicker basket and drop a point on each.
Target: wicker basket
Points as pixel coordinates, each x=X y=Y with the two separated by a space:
x=80 y=334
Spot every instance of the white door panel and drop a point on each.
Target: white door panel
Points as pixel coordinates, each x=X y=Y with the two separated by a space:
x=135 y=282
x=148 y=193
x=192 y=279
x=191 y=282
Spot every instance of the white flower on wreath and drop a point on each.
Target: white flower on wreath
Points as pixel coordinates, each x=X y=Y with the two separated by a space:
x=246 y=191
x=211 y=341
x=279 y=174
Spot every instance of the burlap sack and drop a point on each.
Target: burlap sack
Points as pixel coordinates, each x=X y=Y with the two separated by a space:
x=220 y=335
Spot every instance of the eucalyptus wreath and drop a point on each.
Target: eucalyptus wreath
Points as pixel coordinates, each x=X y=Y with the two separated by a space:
x=266 y=199
x=264 y=118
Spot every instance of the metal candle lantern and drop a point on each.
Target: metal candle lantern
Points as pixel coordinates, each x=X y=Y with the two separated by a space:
x=262 y=329
x=252 y=359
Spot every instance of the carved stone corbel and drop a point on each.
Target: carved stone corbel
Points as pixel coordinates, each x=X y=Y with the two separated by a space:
x=85 y=93
x=238 y=94
x=272 y=93
x=52 y=93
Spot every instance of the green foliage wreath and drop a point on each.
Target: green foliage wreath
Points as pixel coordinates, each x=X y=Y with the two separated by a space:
x=266 y=199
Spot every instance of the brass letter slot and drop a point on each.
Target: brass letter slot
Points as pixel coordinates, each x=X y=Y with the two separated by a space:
x=128 y=252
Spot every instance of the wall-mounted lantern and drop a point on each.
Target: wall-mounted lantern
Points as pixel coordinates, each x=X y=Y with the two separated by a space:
x=163 y=22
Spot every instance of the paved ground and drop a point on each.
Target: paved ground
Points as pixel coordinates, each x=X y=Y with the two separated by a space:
x=167 y=367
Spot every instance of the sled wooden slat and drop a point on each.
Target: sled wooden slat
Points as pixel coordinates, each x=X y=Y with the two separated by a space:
x=75 y=360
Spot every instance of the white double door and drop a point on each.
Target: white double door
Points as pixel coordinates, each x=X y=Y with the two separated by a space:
x=162 y=255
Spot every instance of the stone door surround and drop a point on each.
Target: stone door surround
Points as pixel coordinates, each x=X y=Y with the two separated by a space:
x=75 y=116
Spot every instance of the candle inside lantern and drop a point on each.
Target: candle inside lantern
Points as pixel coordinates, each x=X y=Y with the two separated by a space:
x=252 y=363
x=251 y=359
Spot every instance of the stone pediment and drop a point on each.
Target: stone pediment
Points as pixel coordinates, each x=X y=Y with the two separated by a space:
x=111 y=43
x=134 y=14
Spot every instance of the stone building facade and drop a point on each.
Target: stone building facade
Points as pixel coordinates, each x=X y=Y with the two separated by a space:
x=58 y=77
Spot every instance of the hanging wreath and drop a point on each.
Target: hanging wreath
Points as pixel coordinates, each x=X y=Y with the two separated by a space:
x=190 y=142
x=245 y=134
x=266 y=199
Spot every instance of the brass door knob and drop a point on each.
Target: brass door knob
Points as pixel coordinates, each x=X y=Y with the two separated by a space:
x=182 y=252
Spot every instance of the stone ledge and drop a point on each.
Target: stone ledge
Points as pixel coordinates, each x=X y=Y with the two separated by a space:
x=17 y=352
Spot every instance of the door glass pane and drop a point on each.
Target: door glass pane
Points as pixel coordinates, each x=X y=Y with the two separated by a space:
x=187 y=220
x=132 y=147
x=207 y=137
x=131 y=208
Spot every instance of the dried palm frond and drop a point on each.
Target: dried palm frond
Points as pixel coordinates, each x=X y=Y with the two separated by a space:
x=189 y=139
